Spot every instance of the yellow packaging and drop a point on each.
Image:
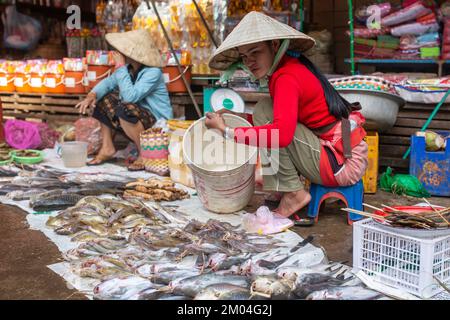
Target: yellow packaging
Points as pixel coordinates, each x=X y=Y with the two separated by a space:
x=370 y=178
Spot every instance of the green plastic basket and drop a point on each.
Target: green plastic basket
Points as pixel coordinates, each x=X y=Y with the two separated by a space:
x=6 y=162
x=28 y=160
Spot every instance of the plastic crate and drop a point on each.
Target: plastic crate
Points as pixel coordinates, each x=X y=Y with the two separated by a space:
x=431 y=168
x=401 y=261
x=371 y=176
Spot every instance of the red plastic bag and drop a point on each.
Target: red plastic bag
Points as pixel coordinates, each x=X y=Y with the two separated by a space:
x=88 y=130
x=48 y=136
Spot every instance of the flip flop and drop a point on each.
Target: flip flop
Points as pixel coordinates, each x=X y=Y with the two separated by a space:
x=302 y=222
x=102 y=160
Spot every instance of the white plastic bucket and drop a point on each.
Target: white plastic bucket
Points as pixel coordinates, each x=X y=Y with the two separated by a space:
x=222 y=187
x=74 y=154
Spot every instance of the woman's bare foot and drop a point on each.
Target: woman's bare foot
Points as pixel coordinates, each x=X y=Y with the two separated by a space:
x=293 y=202
x=105 y=153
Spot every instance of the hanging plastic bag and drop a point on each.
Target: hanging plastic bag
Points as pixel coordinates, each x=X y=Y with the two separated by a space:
x=22 y=134
x=20 y=31
x=402 y=184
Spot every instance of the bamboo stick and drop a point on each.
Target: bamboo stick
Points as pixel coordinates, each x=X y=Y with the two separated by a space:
x=365 y=214
x=372 y=207
x=437 y=211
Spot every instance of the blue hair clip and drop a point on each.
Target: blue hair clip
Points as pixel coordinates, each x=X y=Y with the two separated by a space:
x=294 y=54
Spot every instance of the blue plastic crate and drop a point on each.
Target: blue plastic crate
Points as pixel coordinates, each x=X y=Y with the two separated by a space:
x=431 y=168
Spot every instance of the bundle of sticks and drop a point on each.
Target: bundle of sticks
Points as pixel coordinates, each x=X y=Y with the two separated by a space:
x=154 y=190
x=426 y=219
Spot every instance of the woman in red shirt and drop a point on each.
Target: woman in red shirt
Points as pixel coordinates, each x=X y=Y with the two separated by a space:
x=305 y=128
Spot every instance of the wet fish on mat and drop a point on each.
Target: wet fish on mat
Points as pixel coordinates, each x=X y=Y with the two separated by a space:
x=272 y=287
x=308 y=283
x=345 y=293
x=193 y=285
x=21 y=195
x=121 y=289
x=55 y=203
x=224 y=291
x=168 y=277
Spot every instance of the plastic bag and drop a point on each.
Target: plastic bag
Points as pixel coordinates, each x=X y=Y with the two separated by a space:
x=265 y=222
x=22 y=134
x=412 y=12
x=21 y=32
x=48 y=136
x=402 y=184
x=415 y=28
x=89 y=130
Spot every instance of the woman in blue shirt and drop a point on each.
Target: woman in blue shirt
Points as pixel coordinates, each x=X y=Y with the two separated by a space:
x=133 y=98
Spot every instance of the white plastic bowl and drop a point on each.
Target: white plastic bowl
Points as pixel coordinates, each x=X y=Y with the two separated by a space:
x=379 y=108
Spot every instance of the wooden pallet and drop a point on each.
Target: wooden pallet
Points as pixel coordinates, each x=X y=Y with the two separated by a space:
x=395 y=142
x=50 y=107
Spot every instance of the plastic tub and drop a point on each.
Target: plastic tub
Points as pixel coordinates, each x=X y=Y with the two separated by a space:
x=95 y=74
x=22 y=82
x=74 y=154
x=73 y=82
x=54 y=83
x=28 y=160
x=173 y=78
x=37 y=83
x=7 y=82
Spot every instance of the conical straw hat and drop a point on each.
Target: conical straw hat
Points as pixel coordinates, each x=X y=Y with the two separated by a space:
x=257 y=27
x=137 y=45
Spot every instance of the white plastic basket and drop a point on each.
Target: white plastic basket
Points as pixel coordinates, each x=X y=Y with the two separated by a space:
x=401 y=261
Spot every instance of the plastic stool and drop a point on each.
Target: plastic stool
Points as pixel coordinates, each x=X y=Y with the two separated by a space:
x=352 y=197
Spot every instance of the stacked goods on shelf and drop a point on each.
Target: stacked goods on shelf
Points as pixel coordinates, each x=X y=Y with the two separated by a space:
x=445 y=12
x=69 y=75
x=7 y=71
x=74 y=69
x=185 y=29
x=79 y=41
x=100 y=66
x=410 y=32
x=37 y=69
x=54 y=77
x=320 y=54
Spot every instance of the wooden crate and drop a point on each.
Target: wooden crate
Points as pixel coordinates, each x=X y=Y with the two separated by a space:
x=50 y=107
x=395 y=142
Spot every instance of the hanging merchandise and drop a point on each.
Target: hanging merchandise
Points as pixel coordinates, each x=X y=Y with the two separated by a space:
x=20 y=31
x=185 y=28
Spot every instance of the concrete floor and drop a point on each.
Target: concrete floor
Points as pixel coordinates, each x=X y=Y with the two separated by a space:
x=26 y=253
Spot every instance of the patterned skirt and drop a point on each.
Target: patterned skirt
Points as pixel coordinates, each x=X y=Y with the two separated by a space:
x=111 y=109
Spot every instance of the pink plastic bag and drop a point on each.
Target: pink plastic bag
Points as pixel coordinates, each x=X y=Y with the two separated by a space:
x=22 y=134
x=265 y=222
x=48 y=136
x=88 y=130
x=415 y=28
x=410 y=13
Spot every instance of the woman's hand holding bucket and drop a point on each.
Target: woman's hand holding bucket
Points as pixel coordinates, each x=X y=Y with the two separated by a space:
x=215 y=121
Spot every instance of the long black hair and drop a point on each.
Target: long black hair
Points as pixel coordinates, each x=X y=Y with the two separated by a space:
x=337 y=105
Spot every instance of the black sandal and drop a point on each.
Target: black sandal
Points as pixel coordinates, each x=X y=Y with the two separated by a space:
x=302 y=222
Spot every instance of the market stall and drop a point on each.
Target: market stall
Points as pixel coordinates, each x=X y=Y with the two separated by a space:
x=180 y=229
